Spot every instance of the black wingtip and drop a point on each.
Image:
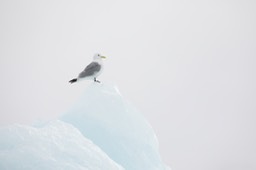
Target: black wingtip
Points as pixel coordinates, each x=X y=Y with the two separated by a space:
x=73 y=81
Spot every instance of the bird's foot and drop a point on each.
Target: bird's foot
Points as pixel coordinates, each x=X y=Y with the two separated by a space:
x=95 y=80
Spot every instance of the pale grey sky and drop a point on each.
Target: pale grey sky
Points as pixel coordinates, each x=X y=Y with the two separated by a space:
x=188 y=66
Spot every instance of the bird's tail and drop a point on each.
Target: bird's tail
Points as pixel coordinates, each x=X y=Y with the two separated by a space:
x=73 y=81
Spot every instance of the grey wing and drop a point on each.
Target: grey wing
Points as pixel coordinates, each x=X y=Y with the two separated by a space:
x=90 y=70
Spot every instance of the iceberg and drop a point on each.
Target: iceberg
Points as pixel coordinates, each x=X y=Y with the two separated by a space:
x=57 y=145
x=112 y=123
x=102 y=131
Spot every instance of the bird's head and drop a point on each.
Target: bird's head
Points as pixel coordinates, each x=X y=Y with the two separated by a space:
x=98 y=56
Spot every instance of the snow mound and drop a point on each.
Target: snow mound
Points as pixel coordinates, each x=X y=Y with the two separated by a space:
x=58 y=145
x=105 y=117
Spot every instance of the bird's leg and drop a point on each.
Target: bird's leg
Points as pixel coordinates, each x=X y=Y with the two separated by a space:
x=95 y=80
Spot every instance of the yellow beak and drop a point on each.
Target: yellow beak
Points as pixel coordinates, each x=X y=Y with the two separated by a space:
x=103 y=57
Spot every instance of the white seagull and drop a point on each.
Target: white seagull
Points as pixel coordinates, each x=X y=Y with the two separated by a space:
x=92 y=71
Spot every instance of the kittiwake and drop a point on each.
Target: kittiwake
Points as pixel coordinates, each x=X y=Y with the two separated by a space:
x=92 y=71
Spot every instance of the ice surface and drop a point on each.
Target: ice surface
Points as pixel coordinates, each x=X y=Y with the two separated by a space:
x=57 y=146
x=106 y=118
x=102 y=131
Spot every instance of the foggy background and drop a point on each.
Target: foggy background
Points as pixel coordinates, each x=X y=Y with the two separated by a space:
x=188 y=66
